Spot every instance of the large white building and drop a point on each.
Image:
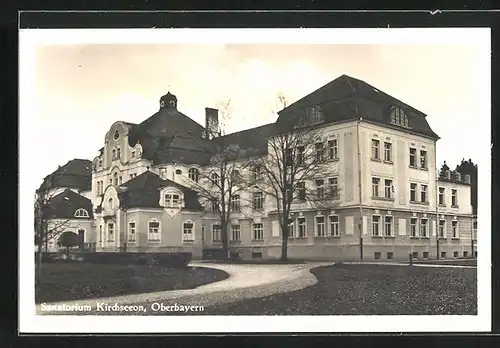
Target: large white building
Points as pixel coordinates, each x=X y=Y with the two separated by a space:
x=382 y=153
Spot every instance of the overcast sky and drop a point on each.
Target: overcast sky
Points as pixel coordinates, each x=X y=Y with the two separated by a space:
x=80 y=90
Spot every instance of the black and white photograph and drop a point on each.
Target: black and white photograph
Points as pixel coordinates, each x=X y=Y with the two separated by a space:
x=264 y=180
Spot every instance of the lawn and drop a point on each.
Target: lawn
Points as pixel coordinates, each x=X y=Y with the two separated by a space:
x=76 y=281
x=370 y=290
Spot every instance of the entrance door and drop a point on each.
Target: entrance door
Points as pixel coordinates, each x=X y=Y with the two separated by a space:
x=81 y=238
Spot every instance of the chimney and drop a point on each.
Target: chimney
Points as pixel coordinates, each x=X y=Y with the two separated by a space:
x=448 y=174
x=467 y=178
x=458 y=176
x=211 y=123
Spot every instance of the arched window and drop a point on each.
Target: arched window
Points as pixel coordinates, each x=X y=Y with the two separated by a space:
x=118 y=153
x=194 y=174
x=111 y=204
x=115 y=177
x=81 y=213
x=114 y=154
x=215 y=178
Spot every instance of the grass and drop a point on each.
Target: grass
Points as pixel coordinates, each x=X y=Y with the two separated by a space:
x=76 y=281
x=370 y=290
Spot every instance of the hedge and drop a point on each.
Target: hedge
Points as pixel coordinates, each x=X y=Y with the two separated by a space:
x=175 y=260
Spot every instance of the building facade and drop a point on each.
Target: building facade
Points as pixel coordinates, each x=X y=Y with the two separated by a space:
x=382 y=157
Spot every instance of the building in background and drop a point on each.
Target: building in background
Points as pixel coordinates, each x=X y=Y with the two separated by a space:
x=382 y=156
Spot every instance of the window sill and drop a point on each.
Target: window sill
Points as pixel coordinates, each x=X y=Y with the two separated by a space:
x=110 y=241
x=376 y=159
x=257 y=240
x=188 y=241
x=388 y=162
x=326 y=237
x=390 y=237
x=216 y=241
x=425 y=237
x=442 y=205
x=235 y=241
x=374 y=236
x=442 y=238
x=455 y=238
x=419 y=203
x=412 y=167
x=131 y=241
x=376 y=198
x=455 y=206
x=154 y=241
x=414 y=237
x=424 y=169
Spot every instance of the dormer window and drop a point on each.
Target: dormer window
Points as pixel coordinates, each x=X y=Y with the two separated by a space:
x=315 y=115
x=172 y=200
x=398 y=116
x=82 y=213
x=116 y=135
x=194 y=174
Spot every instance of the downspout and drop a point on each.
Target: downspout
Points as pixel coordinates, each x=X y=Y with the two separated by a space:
x=360 y=226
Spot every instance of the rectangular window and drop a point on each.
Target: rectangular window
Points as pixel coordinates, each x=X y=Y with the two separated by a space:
x=454 y=201
x=377 y=255
x=302 y=227
x=390 y=255
x=443 y=254
x=388 y=188
x=413 y=157
x=320 y=188
x=425 y=254
x=441 y=196
x=320 y=152
x=289 y=157
x=320 y=226
x=111 y=230
x=216 y=233
x=375 y=185
x=333 y=187
x=301 y=186
x=423 y=193
x=413 y=227
x=235 y=203
x=388 y=226
x=423 y=228
x=413 y=192
x=154 y=231
x=333 y=149
x=455 y=254
x=375 y=225
x=442 y=224
x=291 y=230
x=375 y=149
x=235 y=232
x=188 y=231
x=423 y=159
x=214 y=205
x=300 y=155
x=256 y=173
x=387 y=152
x=454 y=229
x=334 y=225
x=258 y=200
x=131 y=232
x=258 y=231
x=414 y=254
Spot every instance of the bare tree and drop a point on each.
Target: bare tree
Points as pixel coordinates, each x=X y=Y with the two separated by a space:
x=219 y=184
x=296 y=169
x=47 y=227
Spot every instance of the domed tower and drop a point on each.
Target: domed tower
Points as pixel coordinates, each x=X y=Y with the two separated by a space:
x=168 y=101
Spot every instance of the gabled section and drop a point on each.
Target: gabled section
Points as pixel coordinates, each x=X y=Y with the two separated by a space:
x=144 y=192
x=69 y=205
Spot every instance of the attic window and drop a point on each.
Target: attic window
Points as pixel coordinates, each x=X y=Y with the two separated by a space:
x=172 y=200
x=81 y=213
x=315 y=115
x=398 y=116
x=116 y=135
x=178 y=172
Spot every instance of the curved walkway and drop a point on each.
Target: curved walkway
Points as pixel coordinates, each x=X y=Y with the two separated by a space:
x=245 y=281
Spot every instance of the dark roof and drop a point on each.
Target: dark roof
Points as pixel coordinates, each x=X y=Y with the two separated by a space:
x=156 y=132
x=253 y=140
x=144 y=192
x=347 y=98
x=65 y=204
x=76 y=174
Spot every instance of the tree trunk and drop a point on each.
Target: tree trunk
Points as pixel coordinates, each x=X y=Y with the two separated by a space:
x=224 y=236
x=38 y=265
x=284 y=238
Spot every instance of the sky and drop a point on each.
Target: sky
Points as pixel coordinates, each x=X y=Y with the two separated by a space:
x=80 y=90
